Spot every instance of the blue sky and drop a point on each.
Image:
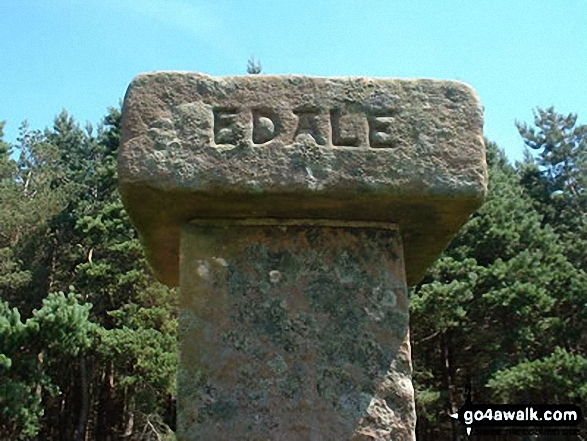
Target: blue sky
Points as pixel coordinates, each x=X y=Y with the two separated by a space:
x=81 y=54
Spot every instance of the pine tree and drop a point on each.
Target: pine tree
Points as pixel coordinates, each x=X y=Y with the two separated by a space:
x=499 y=298
x=557 y=179
x=100 y=361
x=254 y=66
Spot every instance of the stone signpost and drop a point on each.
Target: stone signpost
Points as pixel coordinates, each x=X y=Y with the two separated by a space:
x=293 y=212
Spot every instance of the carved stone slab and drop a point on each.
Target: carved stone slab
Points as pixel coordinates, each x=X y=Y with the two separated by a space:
x=408 y=152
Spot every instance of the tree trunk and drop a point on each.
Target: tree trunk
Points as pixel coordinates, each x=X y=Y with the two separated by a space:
x=108 y=413
x=85 y=401
x=449 y=384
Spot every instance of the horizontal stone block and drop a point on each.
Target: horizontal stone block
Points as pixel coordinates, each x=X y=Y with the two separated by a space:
x=408 y=152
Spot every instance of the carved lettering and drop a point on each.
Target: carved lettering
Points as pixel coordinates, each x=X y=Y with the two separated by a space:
x=264 y=126
x=309 y=126
x=347 y=128
x=225 y=126
x=380 y=132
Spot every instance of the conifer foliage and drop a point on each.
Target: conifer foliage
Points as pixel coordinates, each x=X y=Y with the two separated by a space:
x=505 y=307
x=88 y=337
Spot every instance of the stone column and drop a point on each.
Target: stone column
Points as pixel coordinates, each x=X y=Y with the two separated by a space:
x=295 y=330
x=293 y=212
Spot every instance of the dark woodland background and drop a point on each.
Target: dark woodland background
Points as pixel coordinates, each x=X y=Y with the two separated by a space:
x=88 y=337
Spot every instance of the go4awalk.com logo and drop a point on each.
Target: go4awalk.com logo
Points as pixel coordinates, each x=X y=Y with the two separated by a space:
x=517 y=415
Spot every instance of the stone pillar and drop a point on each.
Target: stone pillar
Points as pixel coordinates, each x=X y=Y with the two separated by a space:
x=293 y=212
x=295 y=330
